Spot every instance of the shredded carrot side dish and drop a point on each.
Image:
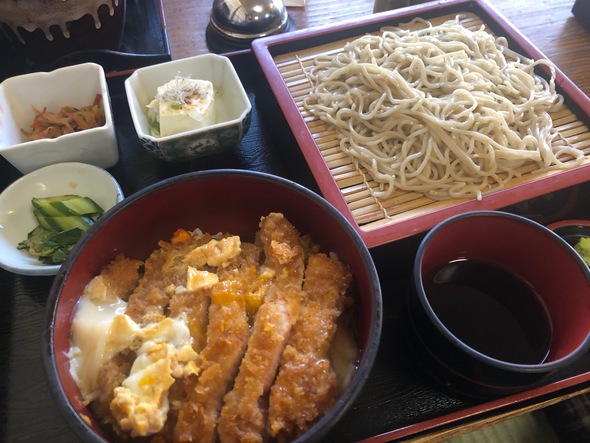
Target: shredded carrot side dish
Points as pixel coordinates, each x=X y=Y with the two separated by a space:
x=67 y=120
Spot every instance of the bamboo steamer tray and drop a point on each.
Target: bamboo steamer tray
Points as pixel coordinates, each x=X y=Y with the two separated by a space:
x=285 y=60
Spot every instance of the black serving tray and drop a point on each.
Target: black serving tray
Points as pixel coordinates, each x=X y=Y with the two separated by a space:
x=398 y=401
x=144 y=42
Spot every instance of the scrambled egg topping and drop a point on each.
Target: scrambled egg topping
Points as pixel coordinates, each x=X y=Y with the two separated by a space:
x=215 y=252
x=164 y=351
x=141 y=403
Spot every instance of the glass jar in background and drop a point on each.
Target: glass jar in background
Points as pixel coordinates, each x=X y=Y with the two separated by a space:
x=386 y=5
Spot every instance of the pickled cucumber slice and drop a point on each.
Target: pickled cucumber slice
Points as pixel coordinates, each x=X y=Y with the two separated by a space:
x=63 y=222
x=67 y=205
x=63 y=219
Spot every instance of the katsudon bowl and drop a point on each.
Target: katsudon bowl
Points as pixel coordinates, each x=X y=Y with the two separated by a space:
x=214 y=201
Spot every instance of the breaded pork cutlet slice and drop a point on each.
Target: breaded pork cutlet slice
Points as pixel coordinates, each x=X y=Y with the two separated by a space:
x=227 y=336
x=282 y=247
x=164 y=270
x=118 y=279
x=243 y=415
x=306 y=385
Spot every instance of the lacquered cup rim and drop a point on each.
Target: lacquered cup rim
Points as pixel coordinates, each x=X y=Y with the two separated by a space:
x=459 y=344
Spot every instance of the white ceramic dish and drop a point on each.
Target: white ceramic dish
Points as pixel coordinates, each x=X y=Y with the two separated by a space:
x=232 y=107
x=16 y=212
x=75 y=86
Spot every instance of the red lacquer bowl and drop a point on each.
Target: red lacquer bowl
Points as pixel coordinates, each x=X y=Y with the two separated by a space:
x=215 y=201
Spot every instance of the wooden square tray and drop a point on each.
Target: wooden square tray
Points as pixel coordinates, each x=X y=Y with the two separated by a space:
x=286 y=58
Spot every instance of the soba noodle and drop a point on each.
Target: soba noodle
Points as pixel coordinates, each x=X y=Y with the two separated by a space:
x=441 y=110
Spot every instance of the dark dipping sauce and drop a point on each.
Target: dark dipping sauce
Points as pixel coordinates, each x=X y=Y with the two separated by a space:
x=490 y=310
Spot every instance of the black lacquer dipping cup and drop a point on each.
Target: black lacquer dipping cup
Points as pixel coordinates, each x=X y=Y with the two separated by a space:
x=498 y=304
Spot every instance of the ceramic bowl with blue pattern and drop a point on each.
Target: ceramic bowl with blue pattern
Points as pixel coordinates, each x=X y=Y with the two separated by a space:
x=232 y=107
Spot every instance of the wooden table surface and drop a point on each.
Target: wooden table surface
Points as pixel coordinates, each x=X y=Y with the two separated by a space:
x=549 y=24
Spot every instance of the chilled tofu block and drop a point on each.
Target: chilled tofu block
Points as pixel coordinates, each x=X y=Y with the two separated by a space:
x=181 y=105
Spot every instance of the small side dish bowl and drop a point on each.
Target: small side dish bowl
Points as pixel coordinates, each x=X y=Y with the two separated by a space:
x=16 y=211
x=226 y=201
x=571 y=230
x=498 y=303
x=23 y=96
x=232 y=107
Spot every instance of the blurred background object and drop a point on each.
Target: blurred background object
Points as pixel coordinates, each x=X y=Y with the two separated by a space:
x=386 y=5
x=581 y=11
x=235 y=23
x=46 y=29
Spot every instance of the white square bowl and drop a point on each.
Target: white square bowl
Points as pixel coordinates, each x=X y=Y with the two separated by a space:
x=232 y=107
x=75 y=86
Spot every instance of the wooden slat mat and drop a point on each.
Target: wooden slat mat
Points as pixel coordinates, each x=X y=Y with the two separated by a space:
x=354 y=182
